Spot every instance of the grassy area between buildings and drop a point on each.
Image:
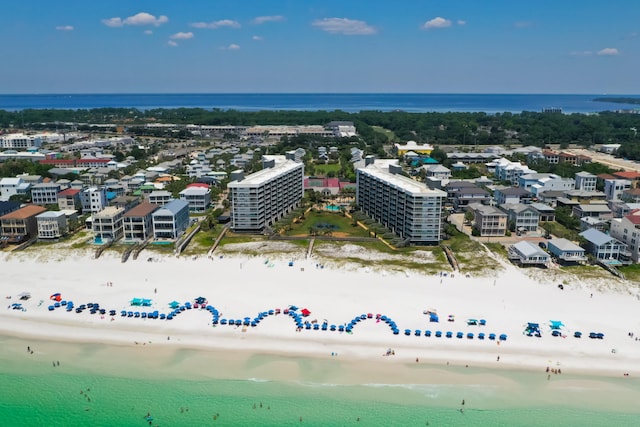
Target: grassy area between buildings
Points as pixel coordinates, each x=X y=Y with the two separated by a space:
x=325 y=223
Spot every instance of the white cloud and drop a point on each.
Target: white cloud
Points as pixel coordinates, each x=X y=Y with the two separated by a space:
x=148 y=32
x=182 y=36
x=263 y=19
x=142 y=18
x=64 y=28
x=233 y=46
x=113 y=22
x=461 y=22
x=216 y=24
x=437 y=22
x=609 y=51
x=256 y=38
x=581 y=53
x=348 y=27
x=172 y=43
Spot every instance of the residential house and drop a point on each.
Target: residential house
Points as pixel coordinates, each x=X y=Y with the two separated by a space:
x=540 y=182
x=93 y=199
x=587 y=222
x=511 y=172
x=503 y=195
x=125 y=202
x=586 y=181
x=107 y=224
x=526 y=253
x=197 y=196
x=402 y=149
x=627 y=230
x=45 y=194
x=521 y=218
x=547 y=213
x=171 y=220
x=605 y=248
x=437 y=171
x=8 y=207
x=463 y=193
x=138 y=222
x=586 y=197
x=69 y=199
x=160 y=197
x=51 y=225
x=13 y=187
x=488 y=220
x=592 y=210
x=632 y=176
x=566 y=251
x=614 y=187
x=21 y=224
x=631 y=196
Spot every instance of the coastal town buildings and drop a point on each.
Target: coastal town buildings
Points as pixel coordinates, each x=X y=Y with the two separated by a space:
x=21 y=225
x=107 y=224
x=260 y=199
x=93 y=199
x=45 y=193
x=138 y=222
x=198 y=197
x=51 y=225
x=407 y=207
x=171 y=220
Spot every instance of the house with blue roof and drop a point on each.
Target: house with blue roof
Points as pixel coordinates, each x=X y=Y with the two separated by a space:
x=171 y=220
x=604 y=248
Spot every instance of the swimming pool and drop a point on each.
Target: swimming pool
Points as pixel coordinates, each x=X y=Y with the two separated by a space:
x=332 y=208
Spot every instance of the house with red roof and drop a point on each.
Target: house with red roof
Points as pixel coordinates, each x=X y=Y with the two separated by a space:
x=69 y=199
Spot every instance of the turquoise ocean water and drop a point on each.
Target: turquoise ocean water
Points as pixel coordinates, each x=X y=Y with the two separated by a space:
x=121 y=392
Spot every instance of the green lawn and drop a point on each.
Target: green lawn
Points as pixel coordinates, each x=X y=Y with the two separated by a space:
x=322 y=221
x=387 y=132
x=322 y=169
x=631 y=272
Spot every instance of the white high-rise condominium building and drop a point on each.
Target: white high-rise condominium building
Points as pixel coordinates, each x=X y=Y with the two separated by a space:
x=260 y=199
x=407 y=207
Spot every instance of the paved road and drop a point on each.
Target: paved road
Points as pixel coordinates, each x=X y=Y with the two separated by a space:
x=607 y=159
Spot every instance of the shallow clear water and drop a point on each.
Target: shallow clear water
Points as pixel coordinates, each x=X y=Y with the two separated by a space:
x=122 y=390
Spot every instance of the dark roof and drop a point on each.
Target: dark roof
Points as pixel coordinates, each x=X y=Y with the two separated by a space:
x=8 y=206
x=143 y=209
x=514 y=191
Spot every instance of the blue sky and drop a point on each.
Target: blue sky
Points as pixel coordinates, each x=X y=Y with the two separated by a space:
x=421 y=46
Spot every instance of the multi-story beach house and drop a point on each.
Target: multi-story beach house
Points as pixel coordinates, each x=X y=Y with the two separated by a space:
x=11 y=187
x=45 y=193
x=627 y=230
x=51 y=225
x=138 y=222
x=69 y=199
x=93 y=199
x=586 y=181
x=407 y=207
x=260 y=199
x=21 y=224
x=19 y=141
x=521 y=218
x=605 y=248
x=197 y=196
x=160 y=197
x=566 y=251
x=107 y=224
x=171 y=220
x=488 y=220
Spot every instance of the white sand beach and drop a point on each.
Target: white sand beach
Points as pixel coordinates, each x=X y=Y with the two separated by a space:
x=241 y=286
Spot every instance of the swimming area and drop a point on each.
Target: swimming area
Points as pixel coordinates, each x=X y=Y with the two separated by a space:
x=103 y=385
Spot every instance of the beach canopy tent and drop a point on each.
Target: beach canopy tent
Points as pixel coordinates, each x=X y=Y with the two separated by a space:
x=56 y=297
x=433 y=317
x=200 y=300
x=305 y=312
x=146 y=302
x=555 y=324
x=532 y=328
x=136 y=301
x=174 y=304
x=24 y=296
x=472 y=322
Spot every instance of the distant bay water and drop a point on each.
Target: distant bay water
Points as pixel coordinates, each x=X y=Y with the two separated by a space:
x=415 y=103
